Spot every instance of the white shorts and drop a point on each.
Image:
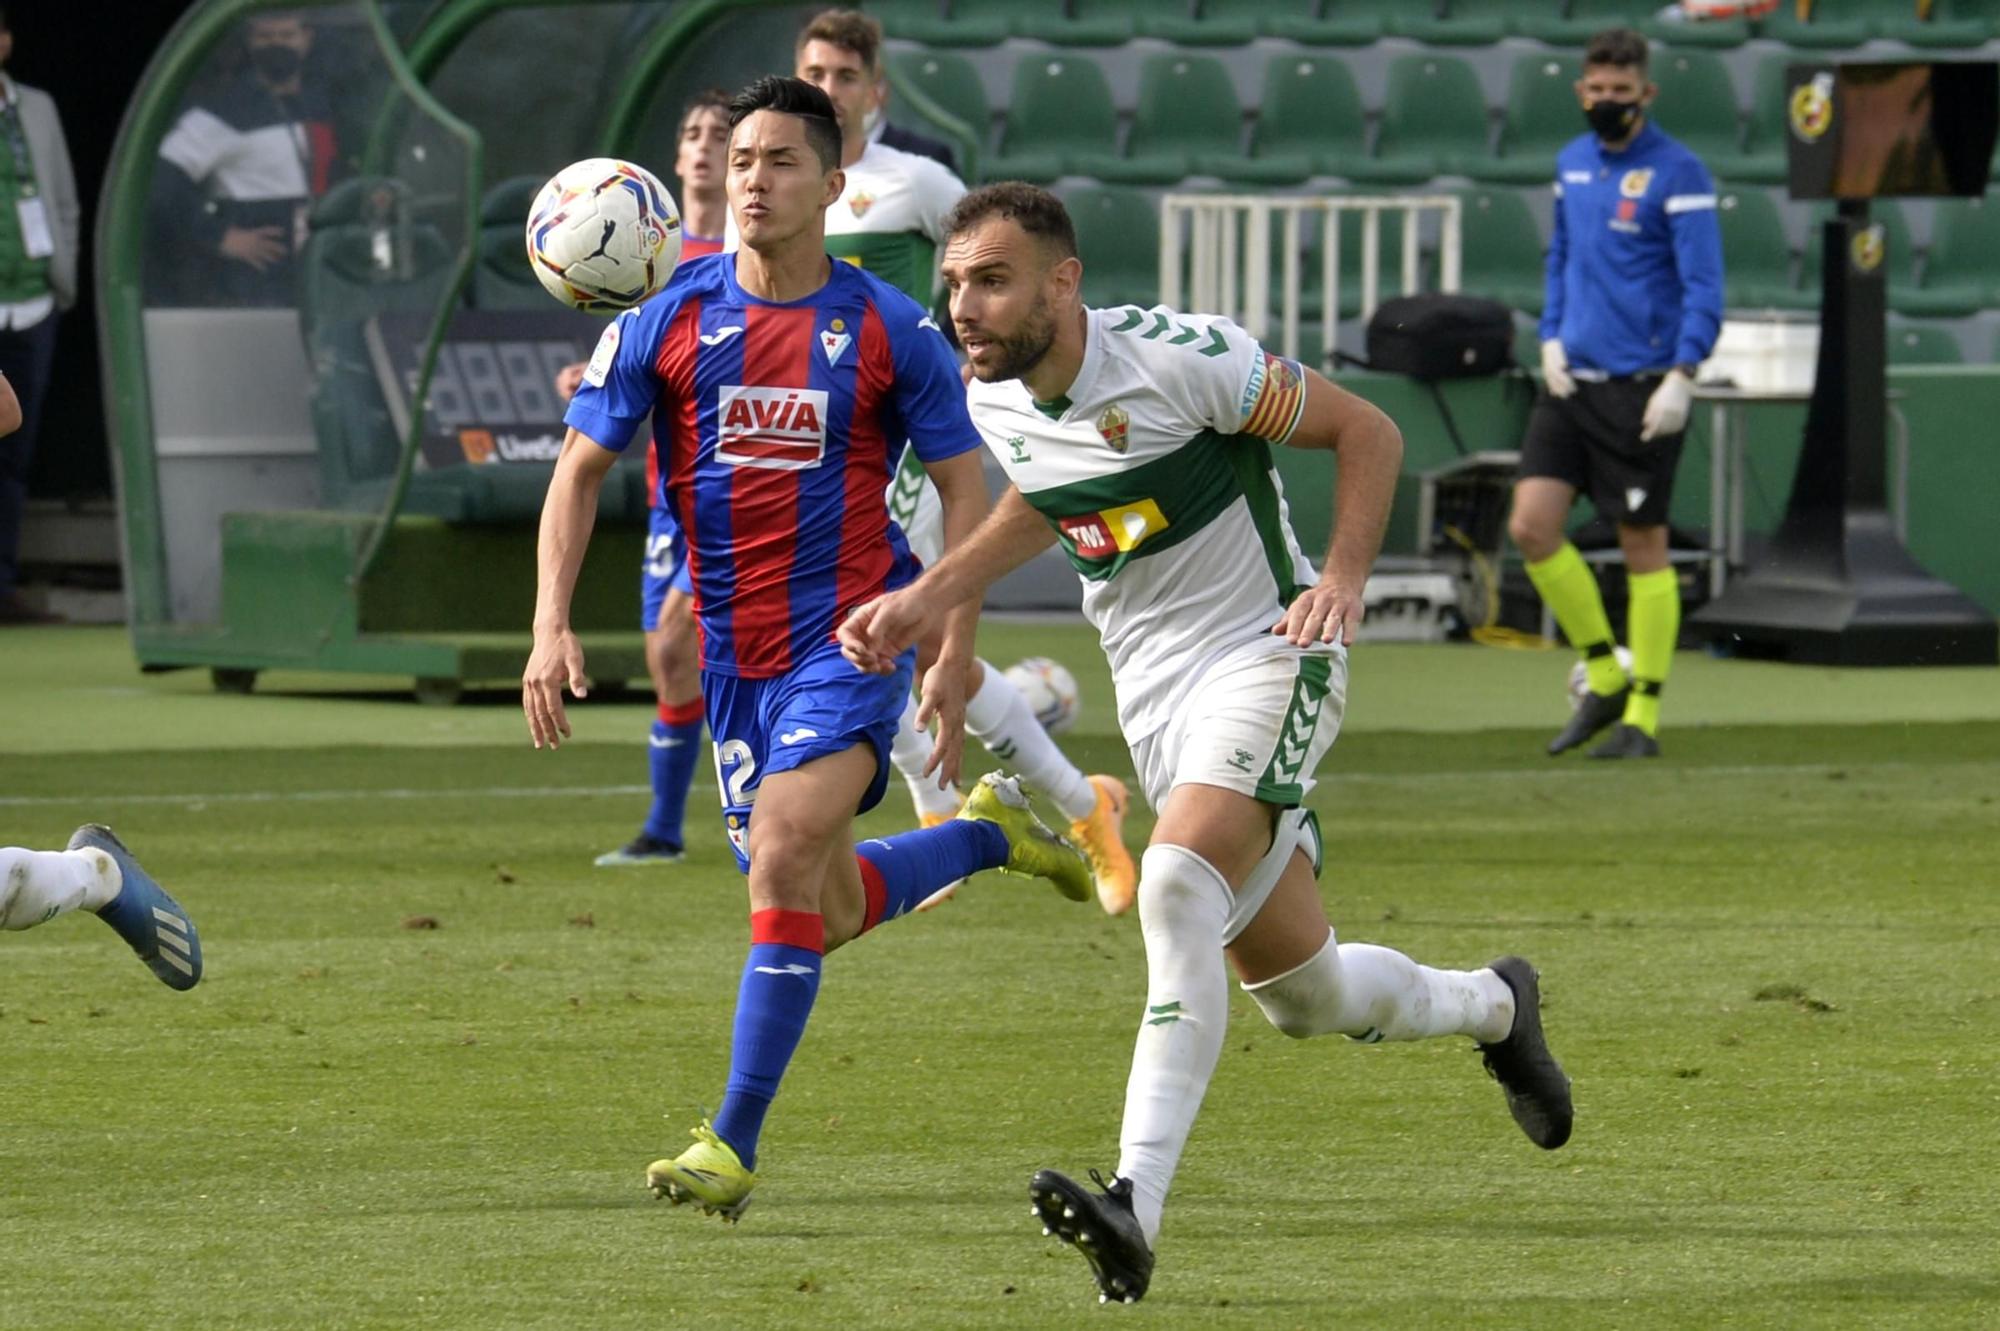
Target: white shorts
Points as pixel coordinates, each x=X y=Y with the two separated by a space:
x=1257 y=722
x=914 y=506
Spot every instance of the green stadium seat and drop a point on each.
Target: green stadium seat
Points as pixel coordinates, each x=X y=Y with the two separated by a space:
x=1340 y=23
x=985 y=22
x=1834 y=25
x=1096 y=22
x=1583 y=19
x=1900 y=262
x=1762 y=159
x=1756 y=257
x=1228 y=22
x=1187 y=109
x=1118 y=238
x=1433 y=117
x=1923 y=344
x=1952 y=23
x=924 y=21
x=1697 y=102
x=501 y=277
x=1463 y=23
x=1501 y=253
x=1309 y=123
x=1060 y=107
x=1542 y=116
x=949 y=80
x=1962 y=275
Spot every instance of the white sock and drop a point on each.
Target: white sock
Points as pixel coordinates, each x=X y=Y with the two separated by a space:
x=909 y=751
x=1000 y=718
x=1183 y=906
x=1372 y=993
x=38 y=885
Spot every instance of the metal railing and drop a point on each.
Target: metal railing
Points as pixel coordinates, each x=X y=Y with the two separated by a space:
x=1221 y=245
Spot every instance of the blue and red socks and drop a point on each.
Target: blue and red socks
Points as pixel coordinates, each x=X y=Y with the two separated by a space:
x=780 y=982
x=673 y=749
x=898 y=872
x=787 y=947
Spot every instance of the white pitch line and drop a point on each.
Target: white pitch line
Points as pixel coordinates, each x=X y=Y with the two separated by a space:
x=1572 y=772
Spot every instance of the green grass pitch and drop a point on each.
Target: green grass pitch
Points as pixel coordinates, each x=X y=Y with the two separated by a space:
x=1769 y=963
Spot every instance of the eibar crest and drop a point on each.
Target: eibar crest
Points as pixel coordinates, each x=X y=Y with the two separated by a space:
x=1636 y=182
x=833 y=341
x=1114 y=425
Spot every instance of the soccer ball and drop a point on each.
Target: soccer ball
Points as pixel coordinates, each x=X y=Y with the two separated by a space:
x=1579 y=677
x=1050 y=690
x=603 y=235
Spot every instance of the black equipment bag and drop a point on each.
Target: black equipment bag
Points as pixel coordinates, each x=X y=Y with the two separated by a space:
x=1435 y=336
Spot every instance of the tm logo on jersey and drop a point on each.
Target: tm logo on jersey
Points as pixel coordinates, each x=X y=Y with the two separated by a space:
x=1115 y=530
x=781 y=429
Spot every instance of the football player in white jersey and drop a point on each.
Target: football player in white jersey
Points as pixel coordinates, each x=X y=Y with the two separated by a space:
x=1141 y=441
x=890 y=220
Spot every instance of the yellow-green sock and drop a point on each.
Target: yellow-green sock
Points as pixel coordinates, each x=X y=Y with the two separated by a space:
x=1569 y=589
x=1652 y=624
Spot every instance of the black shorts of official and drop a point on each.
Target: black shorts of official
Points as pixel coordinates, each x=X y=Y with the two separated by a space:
x=1590 y=440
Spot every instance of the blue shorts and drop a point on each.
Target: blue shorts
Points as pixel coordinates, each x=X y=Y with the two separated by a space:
x=665 y=567
x=821 y=706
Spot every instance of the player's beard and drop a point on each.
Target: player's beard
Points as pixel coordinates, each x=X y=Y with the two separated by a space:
x=1017 y=356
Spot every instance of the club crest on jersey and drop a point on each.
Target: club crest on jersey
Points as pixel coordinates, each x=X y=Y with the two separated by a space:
x=1114 y=425
x=1113 y=531
x=833 y=340
x=859 y=204
x=1636 y=182
x=779 y=429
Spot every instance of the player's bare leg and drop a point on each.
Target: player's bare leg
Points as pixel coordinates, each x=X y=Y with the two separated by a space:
x=1207 y=839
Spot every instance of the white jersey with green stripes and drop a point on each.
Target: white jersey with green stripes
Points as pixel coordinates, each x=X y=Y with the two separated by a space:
x=1155 y=471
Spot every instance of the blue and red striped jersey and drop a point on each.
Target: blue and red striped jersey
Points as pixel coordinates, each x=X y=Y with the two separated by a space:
x=778 y=424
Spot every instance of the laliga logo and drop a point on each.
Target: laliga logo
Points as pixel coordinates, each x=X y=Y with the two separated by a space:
x=651 y=237
x=1812 y=107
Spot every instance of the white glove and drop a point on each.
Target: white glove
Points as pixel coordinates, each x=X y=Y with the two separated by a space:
x=1555 y=369
x=1667 y=408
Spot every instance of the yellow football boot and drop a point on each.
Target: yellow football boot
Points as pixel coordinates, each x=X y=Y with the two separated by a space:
x=1033 y=851
x=708 y=1173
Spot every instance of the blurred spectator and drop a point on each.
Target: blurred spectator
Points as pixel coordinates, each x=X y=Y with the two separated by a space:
x=38 y=240
x=242 y=167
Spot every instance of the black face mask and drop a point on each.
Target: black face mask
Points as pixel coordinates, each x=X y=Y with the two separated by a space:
x=276 y=64
x=1612 y=120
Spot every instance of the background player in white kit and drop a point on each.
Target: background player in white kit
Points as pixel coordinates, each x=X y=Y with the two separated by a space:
x=890 y=220
x=1140 y=440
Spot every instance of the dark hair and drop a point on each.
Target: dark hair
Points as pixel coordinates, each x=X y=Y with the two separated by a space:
x=850 y=30
x=1030 y=207
x=708 y=99
x=1620 y=47
x=793 y=97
